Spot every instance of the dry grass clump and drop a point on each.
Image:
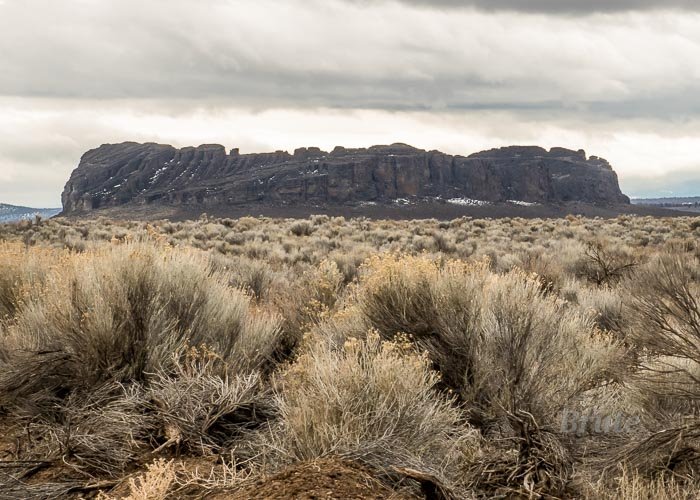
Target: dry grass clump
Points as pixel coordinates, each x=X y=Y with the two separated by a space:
x=124 y=312
x=500 y=342
x=204 y=413
x=21 y=274
x=102 y=431
x=253 y=276
x=436 y=306
x=665 y=302
x=516 y=356
x=371 y=401
x=99 y=365
x=666 y=298
x=302 y=228
x=604 y=266
x=631 y=485
x=155 y=484
x=306 y=302
x=606 y=304
x=539 y=354
x=639 y=487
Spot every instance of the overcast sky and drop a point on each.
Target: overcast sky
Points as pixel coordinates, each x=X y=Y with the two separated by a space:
x=619 y=78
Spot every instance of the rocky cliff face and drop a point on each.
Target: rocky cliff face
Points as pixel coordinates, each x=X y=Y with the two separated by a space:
x=129 y=173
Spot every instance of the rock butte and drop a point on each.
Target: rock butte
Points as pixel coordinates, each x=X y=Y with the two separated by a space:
x=130 y=173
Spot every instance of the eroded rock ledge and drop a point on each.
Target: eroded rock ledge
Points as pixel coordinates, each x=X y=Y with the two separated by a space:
x=120 y=174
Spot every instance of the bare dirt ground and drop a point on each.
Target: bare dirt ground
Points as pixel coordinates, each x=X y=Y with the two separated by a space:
x=320 y=479
x=441 y=211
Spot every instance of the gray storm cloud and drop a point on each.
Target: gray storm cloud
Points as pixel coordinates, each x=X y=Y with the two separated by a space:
x=558 y=6
x=338 y=54
x=80 y=72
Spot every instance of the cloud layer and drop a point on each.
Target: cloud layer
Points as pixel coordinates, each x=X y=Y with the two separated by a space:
x=384 y=56
x=77 y=72
x=559 y=6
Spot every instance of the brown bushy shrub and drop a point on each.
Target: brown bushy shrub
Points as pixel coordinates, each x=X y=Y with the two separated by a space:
x=436 y=306
x=665 y=306
x=302 y=228
x=22 y=273
x=125 y=314
x=498 y=341
x=516 y=356
x=371 y=401
x=604 y=266
x=199 y=411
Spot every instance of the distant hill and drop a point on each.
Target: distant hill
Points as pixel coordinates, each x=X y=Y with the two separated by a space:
x=12 y=213
x=672 y=201
x=153 y=177
x=685 y=203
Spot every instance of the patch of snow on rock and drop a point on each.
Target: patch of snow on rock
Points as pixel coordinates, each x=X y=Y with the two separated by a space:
x=523 y=203
x=158 y=173
x=468 y=202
